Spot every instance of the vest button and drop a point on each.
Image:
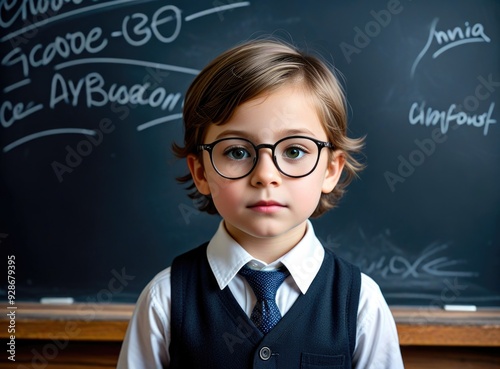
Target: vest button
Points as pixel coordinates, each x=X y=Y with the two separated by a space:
x=265 y=353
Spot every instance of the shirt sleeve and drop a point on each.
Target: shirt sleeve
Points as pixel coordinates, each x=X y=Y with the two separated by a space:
x=147 y=339
x=377 y=343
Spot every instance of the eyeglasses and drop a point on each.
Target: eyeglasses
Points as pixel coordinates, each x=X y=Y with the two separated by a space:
x=294 y=156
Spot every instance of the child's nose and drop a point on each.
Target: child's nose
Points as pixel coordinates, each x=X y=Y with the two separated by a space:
x=265 y=172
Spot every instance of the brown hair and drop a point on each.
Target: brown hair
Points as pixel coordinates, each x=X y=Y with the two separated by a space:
x=246 y=71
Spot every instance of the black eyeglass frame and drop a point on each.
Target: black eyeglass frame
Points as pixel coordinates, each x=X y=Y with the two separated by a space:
x=209 y=147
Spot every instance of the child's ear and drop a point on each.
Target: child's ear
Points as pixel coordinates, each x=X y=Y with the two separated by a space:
x=333 y=171
x=198 y=173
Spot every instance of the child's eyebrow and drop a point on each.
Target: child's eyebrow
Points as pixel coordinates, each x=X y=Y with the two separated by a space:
x=279 y=134
x=235 y=133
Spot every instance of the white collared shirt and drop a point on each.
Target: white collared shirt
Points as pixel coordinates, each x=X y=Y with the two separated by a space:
x=148 y=335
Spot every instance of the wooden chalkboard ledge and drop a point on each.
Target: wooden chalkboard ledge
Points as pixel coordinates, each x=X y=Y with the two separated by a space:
x=99 y=322
x=435 y=327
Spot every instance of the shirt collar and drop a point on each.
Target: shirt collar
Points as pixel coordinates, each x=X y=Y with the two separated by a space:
x=226 y=257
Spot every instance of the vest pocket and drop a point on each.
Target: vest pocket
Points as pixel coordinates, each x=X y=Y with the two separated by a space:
x=316 y=361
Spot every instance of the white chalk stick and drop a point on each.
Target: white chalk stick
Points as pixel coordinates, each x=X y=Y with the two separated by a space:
x=57 y=300
x=460 y=307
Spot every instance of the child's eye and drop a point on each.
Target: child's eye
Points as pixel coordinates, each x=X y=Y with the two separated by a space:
x=294 y=153
x=237 y=153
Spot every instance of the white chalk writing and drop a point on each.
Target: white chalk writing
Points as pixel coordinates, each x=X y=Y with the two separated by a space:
x=144 y=29
x=63 y=51
x=426 y=264
x=456 y=37
x=92 y=89
x=450 y=38
x=11 y=112
x=71 y=44
x=49 y=132
x=11 y=11
x=431 y=117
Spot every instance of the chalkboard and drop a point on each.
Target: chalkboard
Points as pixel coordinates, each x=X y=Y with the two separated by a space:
x=92 y=97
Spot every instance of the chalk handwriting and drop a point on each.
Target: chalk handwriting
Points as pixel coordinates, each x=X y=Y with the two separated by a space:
x=21 y=83
x=217 y=9
x=71 y=44
x=140 y=63
x=145 y=29
x=12 y=112
x=137 y=29
x=11 y=11
x=49 y=132
x=161 y=120
x=425 y=265
x=91 y=90
x=450 y=38
x=430 y=117
x=456 y=37
x=49 y=14
x=379 y=257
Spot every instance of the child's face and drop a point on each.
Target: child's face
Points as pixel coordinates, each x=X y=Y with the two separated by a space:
x=267 y=205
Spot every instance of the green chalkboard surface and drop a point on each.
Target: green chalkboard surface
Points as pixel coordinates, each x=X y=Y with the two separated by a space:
x=91 y=101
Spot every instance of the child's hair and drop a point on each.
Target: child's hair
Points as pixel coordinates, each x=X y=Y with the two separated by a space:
x=249 y=70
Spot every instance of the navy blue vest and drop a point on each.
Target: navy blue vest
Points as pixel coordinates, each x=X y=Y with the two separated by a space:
x=210 y=330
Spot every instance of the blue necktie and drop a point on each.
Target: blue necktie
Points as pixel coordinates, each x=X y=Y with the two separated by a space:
x=265 y=314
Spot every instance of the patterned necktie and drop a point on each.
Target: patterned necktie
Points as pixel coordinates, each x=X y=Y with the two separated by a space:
x=265 y=314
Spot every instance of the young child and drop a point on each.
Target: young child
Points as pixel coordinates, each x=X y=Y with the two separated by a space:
x=266 y=146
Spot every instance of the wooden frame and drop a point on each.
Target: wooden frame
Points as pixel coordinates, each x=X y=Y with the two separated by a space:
x=101 y=322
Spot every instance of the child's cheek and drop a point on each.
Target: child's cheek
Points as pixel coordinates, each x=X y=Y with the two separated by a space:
x=307 y=194
x=224 y=193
